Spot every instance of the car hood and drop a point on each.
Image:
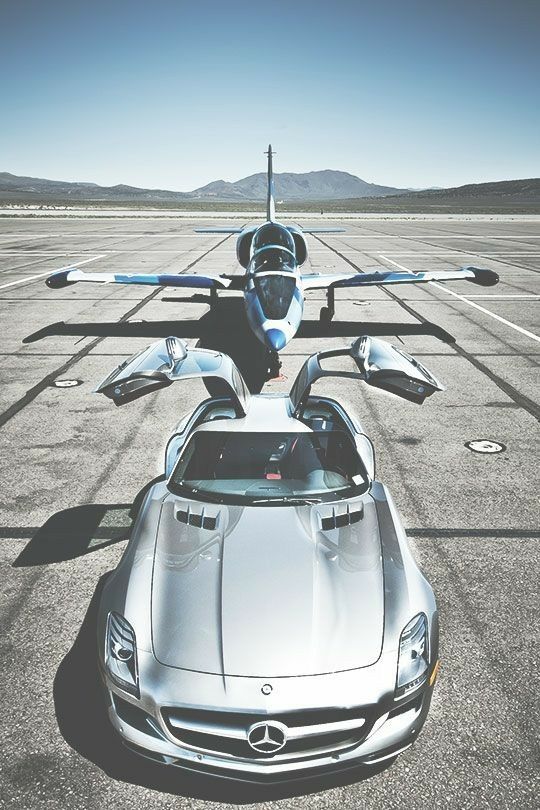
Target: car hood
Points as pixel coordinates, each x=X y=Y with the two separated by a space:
x=267 y=592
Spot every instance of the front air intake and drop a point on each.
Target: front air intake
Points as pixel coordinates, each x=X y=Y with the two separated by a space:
x=199 y=520
x=337 y=520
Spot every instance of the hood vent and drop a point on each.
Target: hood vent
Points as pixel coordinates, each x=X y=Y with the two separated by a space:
x=338 y=521
x=199 y=520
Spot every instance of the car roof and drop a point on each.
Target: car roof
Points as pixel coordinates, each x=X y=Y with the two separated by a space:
x=270 y=413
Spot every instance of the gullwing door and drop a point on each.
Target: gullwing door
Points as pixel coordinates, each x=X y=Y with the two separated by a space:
x=167 y=361
x=379 y=364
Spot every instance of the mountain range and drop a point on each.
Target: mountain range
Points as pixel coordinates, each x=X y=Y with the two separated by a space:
x=310 y=187
x=327 y=184
x=323 y=185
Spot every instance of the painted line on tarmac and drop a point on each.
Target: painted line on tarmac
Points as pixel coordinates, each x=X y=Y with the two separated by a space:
x=461 y=236
x=48 y=272
x=434 y=533
x=451 y=251
x=58 y=253
x=470 y=303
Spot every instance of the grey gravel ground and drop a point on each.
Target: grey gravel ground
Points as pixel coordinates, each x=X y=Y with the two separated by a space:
x=72 y=465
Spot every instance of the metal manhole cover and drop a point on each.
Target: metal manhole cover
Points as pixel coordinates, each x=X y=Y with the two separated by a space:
x=66 y=383
x=485 y=446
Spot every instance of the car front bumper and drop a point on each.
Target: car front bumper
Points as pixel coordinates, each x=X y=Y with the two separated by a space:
x=148 y=735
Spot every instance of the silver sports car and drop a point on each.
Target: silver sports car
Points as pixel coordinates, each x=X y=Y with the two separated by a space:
x=267 y=620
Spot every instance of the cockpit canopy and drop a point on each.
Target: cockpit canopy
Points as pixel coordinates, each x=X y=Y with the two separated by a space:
x=275 y=292
x=275 y=259
x=272 y=234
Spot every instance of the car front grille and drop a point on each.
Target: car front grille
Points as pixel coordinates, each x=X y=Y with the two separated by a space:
x=308 y=733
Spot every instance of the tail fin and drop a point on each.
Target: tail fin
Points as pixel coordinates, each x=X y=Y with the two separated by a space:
x=270 y=202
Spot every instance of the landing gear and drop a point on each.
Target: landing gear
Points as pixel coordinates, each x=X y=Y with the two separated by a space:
x=273 y=365
x=327 y=313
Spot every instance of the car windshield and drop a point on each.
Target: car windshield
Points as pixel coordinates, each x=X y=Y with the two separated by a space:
x=279 y=468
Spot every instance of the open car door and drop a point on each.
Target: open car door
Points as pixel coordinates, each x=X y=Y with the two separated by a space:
x=379 y=364
x=169 y=360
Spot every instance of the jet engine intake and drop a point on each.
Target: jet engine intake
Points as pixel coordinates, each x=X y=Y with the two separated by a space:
x=243 y=247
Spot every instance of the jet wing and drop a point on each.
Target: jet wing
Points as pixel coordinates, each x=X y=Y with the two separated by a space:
x=320 y=281
x=66 y=277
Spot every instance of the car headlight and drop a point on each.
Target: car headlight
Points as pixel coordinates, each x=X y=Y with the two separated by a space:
x=121 y=653
x=413 y=662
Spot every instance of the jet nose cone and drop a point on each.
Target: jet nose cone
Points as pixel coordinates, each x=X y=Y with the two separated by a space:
x=275 y=339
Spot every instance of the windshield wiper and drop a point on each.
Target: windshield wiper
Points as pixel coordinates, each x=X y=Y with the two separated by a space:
x=197 y=494
x=288 y=500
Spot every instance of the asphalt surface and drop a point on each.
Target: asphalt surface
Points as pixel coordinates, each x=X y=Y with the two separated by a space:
x=72 y=464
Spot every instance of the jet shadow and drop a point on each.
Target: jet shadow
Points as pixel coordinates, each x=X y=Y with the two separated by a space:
x=79 y=530
x=82 y=719
x=225 y=328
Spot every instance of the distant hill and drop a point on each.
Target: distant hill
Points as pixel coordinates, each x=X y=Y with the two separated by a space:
x=322 y=185
x=327 y=184
x=13 y=186
x=528 y=189
x=334 y=191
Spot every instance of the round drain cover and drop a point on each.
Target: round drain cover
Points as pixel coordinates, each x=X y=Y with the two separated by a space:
x=67 y=383
x=485 y=446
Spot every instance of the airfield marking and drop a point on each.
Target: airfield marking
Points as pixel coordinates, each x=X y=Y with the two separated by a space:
x=451 y=251
x=498 y=297
x=470 y=303
x=48 y=272
x=438 y=236
x=86 y=252
x=45 y=253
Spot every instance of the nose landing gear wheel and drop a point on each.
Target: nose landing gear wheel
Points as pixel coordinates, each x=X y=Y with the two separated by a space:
x=273 y=365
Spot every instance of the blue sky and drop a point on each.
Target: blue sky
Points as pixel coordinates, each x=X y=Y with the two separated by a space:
x=174 y=95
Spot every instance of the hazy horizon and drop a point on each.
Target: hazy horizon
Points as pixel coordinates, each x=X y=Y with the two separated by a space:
x=170 y=96
x=162 y=188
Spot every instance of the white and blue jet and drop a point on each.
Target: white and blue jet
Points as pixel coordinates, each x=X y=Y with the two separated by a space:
x=273 y=284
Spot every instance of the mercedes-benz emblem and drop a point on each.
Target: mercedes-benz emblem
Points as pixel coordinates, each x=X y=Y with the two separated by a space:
x=267 y=738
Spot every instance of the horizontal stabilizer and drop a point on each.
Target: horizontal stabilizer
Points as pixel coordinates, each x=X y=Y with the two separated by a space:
x=218 y=230
x=323 y=230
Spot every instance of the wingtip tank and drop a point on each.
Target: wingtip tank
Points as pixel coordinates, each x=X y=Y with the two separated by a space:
x=58 y=280
x=485 y=278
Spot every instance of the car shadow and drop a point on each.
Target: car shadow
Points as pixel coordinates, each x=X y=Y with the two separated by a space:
x=226 y=329
x=83 y=722
x=79 y=530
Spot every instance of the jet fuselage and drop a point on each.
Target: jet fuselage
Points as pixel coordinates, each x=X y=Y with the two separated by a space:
x=273 y=295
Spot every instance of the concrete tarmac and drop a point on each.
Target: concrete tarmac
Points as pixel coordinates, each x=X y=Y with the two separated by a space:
x=72 y=465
